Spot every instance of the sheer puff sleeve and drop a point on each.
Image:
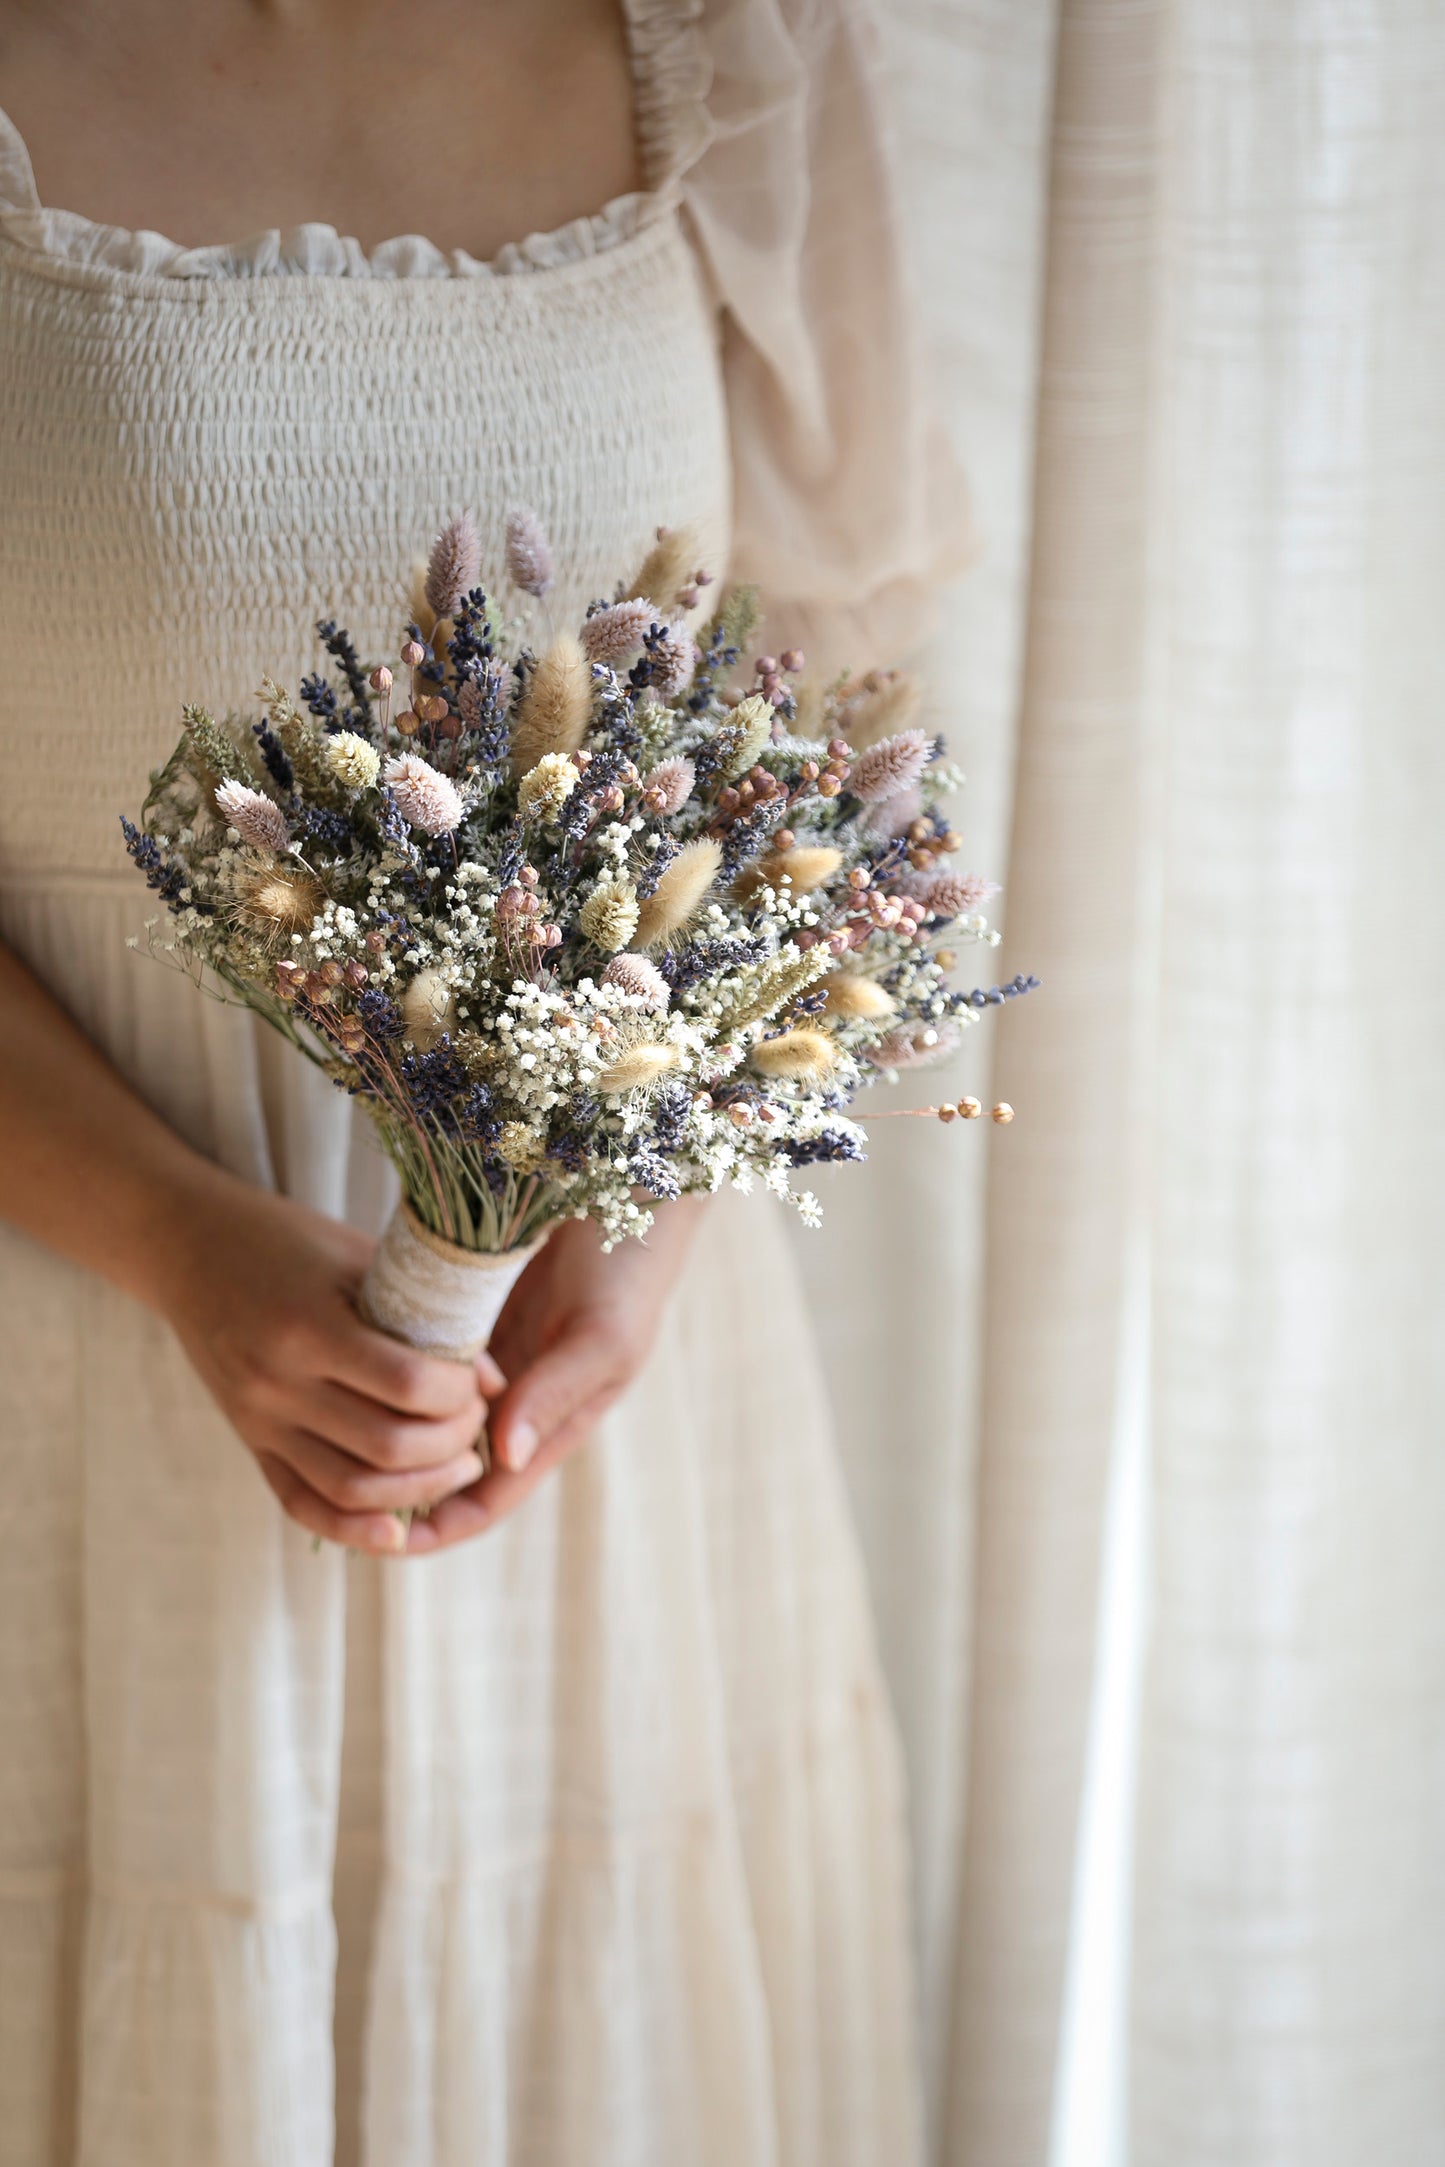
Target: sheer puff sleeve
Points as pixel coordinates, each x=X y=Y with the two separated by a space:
x=849 y=509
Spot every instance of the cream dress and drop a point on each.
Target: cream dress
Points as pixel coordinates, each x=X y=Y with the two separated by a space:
x=579 y=1846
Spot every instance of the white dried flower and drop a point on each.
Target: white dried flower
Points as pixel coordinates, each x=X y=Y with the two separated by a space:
x=520 y=1147
x=351 y=760
x=893 y=764
x=611 y=635
x=425 y=798
x=609 y=915
x=545 y=788
x=669 y=785
x=529 y=553
x=634 y=974
x=257 y=819
x=454 y=565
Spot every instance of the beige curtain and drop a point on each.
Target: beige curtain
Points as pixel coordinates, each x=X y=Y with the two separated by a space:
x=1187 y=266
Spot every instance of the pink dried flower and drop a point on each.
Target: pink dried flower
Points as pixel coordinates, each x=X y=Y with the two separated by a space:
x=910 y=1048
x=669 y=785
x=634 y=974
x=953 y=895
x=425 y=797
x=674 y=658
x=257 y=819
x=893 y=764
x=611 y=635
x=454 y=565
x=529 y=553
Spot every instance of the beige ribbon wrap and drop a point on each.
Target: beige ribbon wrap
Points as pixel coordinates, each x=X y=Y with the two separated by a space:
x=438 y=1298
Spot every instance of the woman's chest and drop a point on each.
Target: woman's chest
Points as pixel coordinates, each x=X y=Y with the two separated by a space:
x=192 y=479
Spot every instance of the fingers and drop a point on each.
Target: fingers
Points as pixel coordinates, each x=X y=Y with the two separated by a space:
x=456 y=1519
x=340 y=1480
x=401 y=1377
x=393 y=1443
x=503 y=1489
x=586 y=1366
x=380 y=1533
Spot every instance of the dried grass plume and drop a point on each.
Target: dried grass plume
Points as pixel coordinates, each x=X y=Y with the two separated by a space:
x=640 y=1065
x=454 y=565
x=529 y=554
x=668 y=566
x=679 y=894
x=851 y=997
x=806 y=865
x=556 y=706
x=881 y=710
x=801 y=1056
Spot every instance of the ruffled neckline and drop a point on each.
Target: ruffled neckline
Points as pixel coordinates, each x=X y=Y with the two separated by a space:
x=671 y=74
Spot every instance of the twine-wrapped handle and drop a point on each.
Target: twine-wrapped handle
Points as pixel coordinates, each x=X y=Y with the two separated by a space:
x=436 y=1297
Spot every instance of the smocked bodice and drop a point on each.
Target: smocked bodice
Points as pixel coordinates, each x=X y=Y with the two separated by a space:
x=196 y=470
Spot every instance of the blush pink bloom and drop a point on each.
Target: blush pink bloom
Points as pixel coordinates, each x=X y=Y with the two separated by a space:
x=257 y=819
x=892 y=765
x=425 y=798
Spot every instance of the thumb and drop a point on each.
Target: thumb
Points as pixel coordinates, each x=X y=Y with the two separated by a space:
x=583 y=1365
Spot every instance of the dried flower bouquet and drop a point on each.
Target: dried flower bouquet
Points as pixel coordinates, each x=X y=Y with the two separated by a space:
x=582 y=928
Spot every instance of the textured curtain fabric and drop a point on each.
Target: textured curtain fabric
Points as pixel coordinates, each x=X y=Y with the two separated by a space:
x=1186 y=263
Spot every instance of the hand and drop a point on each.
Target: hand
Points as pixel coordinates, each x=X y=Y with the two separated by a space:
x=348 y=1426
x=576 y=1330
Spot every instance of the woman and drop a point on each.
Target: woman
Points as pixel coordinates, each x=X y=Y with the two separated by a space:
x=578 y=1839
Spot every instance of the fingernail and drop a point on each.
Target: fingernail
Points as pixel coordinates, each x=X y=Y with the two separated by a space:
x=389 y=1535
x=469 y=1469
x=522 y=1442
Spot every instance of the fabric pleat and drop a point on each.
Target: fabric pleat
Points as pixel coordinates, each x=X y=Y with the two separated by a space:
x=586 y=1841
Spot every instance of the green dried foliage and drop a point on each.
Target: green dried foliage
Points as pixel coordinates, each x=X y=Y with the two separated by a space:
x=784 y=980
x=739 y=617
